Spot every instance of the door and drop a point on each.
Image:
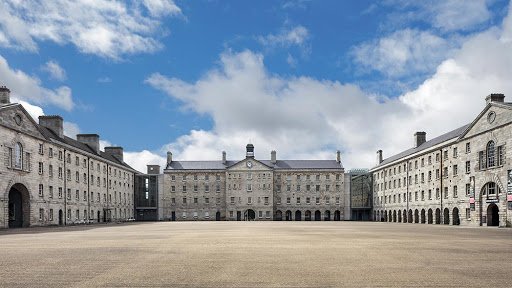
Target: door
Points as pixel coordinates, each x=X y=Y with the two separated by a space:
x=61 y=217
x=238 y=215
x=15 y=209
x=217 y=216
x=173 y=216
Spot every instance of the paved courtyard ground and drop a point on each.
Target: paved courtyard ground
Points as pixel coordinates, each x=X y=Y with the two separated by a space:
x=256 y=254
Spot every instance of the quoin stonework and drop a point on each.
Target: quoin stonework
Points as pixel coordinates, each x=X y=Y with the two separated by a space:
x=47 y=178
x=462 y=177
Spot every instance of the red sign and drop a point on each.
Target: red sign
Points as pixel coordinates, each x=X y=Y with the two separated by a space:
x=471 y=200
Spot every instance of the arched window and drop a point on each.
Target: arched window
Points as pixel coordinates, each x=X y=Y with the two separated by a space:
x=491 y=156
x=18 y=156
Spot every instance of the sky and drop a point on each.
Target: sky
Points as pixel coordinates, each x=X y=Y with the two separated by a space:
x=304 y=78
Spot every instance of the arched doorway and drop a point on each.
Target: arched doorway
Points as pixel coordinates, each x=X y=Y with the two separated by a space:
x=19 y=206
x=385 y=216
x=399 y=216
x=249 y=215
x=430 y=216
x=455 y=216
x=318 y=215
x=307 y=215
x=279 y=215
x=217 y=216
x=405 y=216
x=409 y=218
x=298 y=215
x=99 y=216
x=327 y=216
x=337 y=215
x=493 y=215
x=61 y=217
x=394 y=215
x=288 y=215
x=438 y=216
x=446 y=216
x=422 y=216
x=416 y=216
x=390 y=217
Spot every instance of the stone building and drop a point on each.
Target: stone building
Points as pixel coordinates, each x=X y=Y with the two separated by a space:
x=252 y=189
x=47 y=178
x=462 y=177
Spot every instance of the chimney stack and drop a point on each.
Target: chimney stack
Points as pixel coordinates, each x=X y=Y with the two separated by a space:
x=93 y=140
x=115 y=151
x=495 y=97
x=379 y=157
x=419 y=138
x=249 y=151
x=5 y=95
x=224 y=157
x=338 y=156
x=169 y=157
x=54 y=123
x=273 y=157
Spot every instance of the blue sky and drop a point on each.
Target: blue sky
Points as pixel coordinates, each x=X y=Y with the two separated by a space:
x=306 y=78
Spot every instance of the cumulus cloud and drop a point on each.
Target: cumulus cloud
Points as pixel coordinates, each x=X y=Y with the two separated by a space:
x=56 y=72
x=106 y=28
x=303 y=117
x=404 y=52
x=29 y=88
x=139 y=160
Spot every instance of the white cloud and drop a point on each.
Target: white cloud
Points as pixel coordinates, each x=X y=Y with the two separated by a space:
x=297 y=35
x=104 y=80
x=404 y=52
x=446 y=15
x=303 y=117
x=29 y=88
x=71 y=129
x=56 y=72
x=105 y=28
x=140 y=160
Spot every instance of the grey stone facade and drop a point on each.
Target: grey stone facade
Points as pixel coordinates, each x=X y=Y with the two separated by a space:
x=47 y=178
x=252 y=189
x=459 y=178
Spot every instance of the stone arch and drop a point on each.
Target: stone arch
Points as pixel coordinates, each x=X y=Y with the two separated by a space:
x=438 y=216
x=288 y=215
x=337 y=215
x=18 y=206
x=422 y=216
x=327 y=216
x=298 y=215
x=409 y=216
x=278 y=216
x=416 y=216
x=446 y=216
x=307 y=215
x=493 y=218
x=430 y=216
x=390 y=216
x=394 y=215
x=404 y=217
x=455 y=216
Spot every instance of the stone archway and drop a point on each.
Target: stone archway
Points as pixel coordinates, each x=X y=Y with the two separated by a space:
x=399 y=215
x=446 y=216
x=317 y=215
x=394 y=215
x=307 y=215
x=493 y=218
x=422 y=216
x=455 y=216
x=279 y=215
x=288 y=215
x=430 y=218
x=405 y=216
x=298 y=215
x=416 y=216
x=409 y=216
x=438 y=216
x=19 y=206
x=337 y=215
x=249 y=215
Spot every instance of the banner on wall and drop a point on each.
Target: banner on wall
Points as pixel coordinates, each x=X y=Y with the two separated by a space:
x=509 y=182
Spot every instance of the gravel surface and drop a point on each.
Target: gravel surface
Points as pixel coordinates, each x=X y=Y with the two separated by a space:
x=256 y=254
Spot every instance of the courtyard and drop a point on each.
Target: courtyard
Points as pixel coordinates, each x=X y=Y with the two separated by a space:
x=256 y=254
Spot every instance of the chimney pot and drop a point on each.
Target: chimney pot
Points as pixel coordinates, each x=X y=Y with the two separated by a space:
x=273 y=157
x=93 y=140
x=249 y=151
x=54 y=123
x=224 y=157
x=169 y=157
x=115 y=151
x=495 y=97
x=379 y=157
x=338 y=156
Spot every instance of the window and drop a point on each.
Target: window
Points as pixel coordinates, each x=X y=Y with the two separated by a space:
x=445 y=192
x=184 y=200
x=468 y=147
x=422 y=195
x=308 y=200
x=41 y=214
x=69 y=214
x=41 y=190
x=317 y=177
x=266 y=200
x=249 y=200
x=455 y=153
x=437 y=157
x=317 y=200
x=317 y=188
x=18 y=156
x=60 y=192
x=437 y=193
x=468 y=213
x=69 y=194
x=298 y=200
x=40 y=169
x=249 y=187
x=455 y=170
x=490 y=154
x=429 y=194
x=232 y=200
x=77 y=195
x=50 y=215
x=327 y=200
x=491 y=188
x=445 y=172
x=195 y=200
x=481 y=160
x=206 y=188
x=50 y=152
x=337 y=200
x=298 y=187
x=455 y=192
x=445 y=154
x=429 y=160
x=50 y=191
x=500 y=155
x=288 y=200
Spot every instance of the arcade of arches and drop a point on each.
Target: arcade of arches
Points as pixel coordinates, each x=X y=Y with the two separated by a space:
x=307 y=215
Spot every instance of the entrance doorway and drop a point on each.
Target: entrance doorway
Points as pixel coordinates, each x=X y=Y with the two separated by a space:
x=217 y=216
x=173 y=216
x=99 y=218
x=492 y=215
x=249 y=215
x=298 y=215
x=317 y=215
x=238 y=215
x=307 y=215
x=61 y=217
x=279 y=215
x=455 y=215
x=19 y=207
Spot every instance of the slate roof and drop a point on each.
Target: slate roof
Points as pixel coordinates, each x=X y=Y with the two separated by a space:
x=280 y=164
x=428 y=144
x=49 y=134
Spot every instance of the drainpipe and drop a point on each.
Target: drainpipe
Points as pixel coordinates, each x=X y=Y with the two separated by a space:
x=407 y=190
x=88 y=190
x=441 y=188
x=65 y=190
